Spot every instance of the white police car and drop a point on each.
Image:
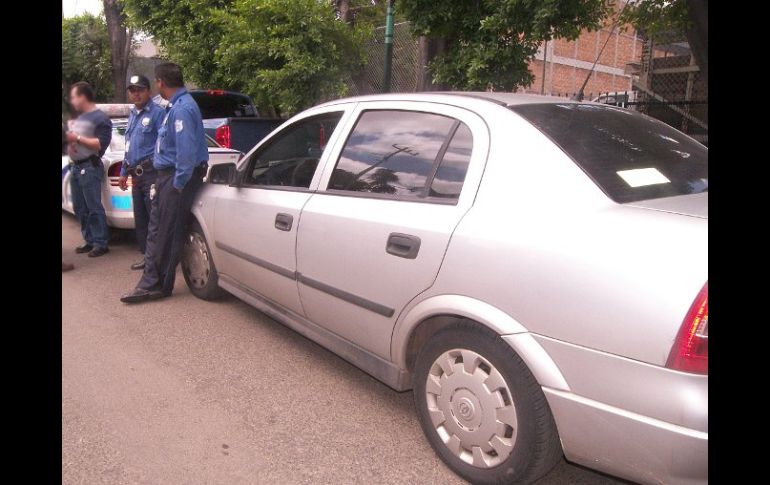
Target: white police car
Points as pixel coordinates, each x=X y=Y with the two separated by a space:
x=118 y=204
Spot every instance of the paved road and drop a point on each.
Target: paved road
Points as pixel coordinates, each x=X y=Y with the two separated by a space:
x=182 y=391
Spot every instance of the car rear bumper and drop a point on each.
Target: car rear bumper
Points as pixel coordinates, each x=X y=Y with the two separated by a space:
x=626 y=444
x=629 y=418
x=119 y=209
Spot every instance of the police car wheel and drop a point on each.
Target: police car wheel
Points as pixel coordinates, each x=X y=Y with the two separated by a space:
x=198 y=268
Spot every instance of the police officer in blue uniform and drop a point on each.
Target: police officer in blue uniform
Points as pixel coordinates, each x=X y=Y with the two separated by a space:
x=181 y=159
x=141 y=137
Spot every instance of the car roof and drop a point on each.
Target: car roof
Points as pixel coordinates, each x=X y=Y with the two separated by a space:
x=499 y=98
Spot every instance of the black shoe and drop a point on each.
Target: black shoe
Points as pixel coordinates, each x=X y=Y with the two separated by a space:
x=85 y=248
x=139 y=295
x=96 y=252
x=139 y=265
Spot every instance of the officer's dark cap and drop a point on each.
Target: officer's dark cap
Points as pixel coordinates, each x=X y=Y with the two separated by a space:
x=139 y=81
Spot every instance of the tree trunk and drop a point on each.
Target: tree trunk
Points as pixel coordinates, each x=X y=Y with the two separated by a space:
x=430 y=47
x=120 y=46
x=697 y=34
x=346 y=15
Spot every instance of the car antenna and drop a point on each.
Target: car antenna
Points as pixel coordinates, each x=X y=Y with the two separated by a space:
x=580 y=94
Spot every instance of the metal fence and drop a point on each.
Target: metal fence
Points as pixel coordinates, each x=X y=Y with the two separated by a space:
x=670 y=86
x=405 y=58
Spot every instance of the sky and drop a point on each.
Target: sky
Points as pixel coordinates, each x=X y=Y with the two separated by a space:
x=77 y=7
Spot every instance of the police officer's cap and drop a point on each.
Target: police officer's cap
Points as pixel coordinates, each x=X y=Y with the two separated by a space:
x=139 y=81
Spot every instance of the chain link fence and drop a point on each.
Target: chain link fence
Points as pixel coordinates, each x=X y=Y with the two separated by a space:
x=670 y=86
x=405 y=61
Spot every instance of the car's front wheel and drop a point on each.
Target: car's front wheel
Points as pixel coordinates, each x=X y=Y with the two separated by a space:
x=198 y=268
x=481 y=409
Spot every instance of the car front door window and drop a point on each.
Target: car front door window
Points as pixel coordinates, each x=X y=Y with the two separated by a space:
x=291 y=159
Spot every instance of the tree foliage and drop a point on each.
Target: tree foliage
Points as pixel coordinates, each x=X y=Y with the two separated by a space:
x=654 y=17
x=489 y=43
x=86 y=55
x=286 y=54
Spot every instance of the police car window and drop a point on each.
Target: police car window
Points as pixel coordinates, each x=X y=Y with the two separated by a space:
x=393 y=153
x=118 y=141
x=291 y=158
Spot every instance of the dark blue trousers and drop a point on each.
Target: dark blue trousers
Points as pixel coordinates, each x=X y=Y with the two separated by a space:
x=140 y=192
x=167 y=230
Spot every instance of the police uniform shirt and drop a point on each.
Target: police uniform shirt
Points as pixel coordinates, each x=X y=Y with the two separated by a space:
x=181 y=139
x=141 y=134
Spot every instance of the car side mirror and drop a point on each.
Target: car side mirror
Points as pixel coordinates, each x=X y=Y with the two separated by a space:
x=223 y=174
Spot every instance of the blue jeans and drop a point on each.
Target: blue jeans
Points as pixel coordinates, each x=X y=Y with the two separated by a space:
x=86 y=184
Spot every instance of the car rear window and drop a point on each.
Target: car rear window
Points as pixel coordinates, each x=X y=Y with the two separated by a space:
x=631 y=157
x=225 y=105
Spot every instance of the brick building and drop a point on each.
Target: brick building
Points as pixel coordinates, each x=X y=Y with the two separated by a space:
x=567 y=63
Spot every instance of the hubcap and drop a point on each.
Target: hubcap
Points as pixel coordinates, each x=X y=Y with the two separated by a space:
x=196 y=260
x=471 y=408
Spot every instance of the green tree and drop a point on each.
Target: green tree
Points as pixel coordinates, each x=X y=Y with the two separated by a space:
x=488 y=43
x=86 y=55
x=186 y=33
x=286 y=54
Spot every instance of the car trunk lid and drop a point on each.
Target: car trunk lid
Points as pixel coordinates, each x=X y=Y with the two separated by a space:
x=694 y=205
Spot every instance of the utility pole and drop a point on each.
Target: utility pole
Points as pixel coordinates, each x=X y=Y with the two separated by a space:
x=388 y=48
x=545 y=57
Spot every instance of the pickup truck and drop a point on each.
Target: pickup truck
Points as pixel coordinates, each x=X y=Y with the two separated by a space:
x=232 y=119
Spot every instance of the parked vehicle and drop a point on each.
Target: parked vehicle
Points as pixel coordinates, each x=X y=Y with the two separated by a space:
x=617 y=98
x=218 y=103
x=118 y=204
x=535 y=269
x=232 y=119
x=240 y=134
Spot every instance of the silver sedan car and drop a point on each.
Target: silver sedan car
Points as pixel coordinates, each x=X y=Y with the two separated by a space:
x=534 y=269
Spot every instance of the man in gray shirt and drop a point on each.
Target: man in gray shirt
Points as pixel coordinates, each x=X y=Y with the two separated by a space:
x=89 y=136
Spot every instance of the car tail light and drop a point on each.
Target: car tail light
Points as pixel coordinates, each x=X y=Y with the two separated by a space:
x=216 y=92
x=113 y=173
x=690 y=352
x=222 y=135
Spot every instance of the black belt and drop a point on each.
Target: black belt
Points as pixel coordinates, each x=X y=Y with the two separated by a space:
x=141 y=167
x=93 y=160
x=202 y=166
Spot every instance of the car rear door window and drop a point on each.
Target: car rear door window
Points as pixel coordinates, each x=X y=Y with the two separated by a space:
x=450 y=174
x=404 y=154
x=290 y=159
x=631 y=157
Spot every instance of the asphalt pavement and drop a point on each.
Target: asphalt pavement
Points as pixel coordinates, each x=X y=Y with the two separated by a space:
x=183 y=391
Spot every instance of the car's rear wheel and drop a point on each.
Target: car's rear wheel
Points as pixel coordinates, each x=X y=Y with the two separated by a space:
x=198 y=268
x=481 y=409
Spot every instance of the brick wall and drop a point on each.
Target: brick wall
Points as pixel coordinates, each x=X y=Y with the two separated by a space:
x=567 y=63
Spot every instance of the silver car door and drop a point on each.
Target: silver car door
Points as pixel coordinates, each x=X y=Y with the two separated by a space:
x=256 y=222
x=374 y=235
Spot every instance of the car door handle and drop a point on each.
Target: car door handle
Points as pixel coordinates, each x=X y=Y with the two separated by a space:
x=403 y=245
x=283 y=221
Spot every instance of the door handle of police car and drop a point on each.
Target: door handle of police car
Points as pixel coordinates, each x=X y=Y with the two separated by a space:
x=283 y=222
x=403 y=245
